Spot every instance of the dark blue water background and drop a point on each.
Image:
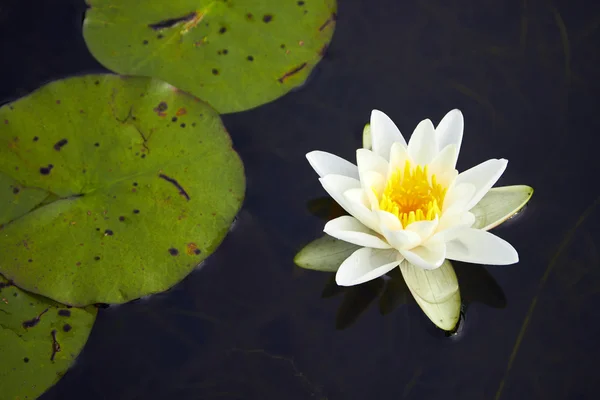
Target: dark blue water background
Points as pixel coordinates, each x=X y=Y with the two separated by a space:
x=250 y=325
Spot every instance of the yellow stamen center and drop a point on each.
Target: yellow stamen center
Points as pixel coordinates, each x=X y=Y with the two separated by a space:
x=412 y=196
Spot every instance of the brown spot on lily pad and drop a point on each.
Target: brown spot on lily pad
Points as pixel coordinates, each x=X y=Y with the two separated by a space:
x=46 y=170
x=7 y=284
x=192 y=249
x=292 y=72
x=34 y=321
x=161 y=108
x=181 y=111
x=55 y=345
x=58 y=145
x=64 y=313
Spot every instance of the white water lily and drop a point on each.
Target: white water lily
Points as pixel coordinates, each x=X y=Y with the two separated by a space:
x=408 y=204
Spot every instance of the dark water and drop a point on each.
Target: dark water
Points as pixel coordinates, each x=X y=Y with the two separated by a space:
x=250 y=325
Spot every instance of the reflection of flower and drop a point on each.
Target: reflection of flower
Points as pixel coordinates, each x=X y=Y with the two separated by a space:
x=409 y=206
x=391 y=291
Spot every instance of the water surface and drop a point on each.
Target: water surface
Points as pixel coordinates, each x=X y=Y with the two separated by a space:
x=250 y=325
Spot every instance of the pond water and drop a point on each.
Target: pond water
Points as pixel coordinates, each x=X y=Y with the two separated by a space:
x=251 y=325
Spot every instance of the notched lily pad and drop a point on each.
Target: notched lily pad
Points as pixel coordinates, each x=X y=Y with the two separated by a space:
x=17 y=200
x=235 y=54
x=130 y=184
x=39 y=340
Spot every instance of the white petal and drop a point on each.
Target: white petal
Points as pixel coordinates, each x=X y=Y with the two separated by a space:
x=450 y=224
x=366 y=160
x=337 y=185
x=357 y=196
x=373 y=184
x=436 y=292
x=326 y=163
x=401 y=239
x=423 y=228
x=398 y=157
x=443 y=162
x=483 y=177
x=389 y=221
x=383 y=133
x=428 y=255
x=359 y=207
x=366 y=264
x=422 y=146
x=351 y=230
x=481 y=247
x=450 y=130
x=458 y=198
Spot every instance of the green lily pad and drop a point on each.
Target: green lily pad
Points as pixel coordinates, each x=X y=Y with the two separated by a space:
x=324 y=254
x=499 y=204
x=17 y=200
x=135 y=182
x=39 y=340
x=235 y=54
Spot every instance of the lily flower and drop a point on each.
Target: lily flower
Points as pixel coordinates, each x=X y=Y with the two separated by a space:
x=408 y=206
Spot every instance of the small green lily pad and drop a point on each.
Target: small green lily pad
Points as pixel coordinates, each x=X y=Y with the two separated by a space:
x=235 y=54
x=116 y=188
x=39 y=340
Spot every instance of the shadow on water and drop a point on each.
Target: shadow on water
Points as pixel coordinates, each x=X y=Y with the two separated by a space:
x=249 y=324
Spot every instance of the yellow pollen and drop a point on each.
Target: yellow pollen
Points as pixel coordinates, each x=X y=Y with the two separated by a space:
x=411 y=196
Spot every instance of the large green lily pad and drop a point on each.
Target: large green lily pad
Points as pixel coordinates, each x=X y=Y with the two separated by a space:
x=116 y=188
x=39 y=339
x=235 y=54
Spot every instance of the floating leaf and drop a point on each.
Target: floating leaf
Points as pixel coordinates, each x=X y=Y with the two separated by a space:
x=17 y=200
x=324 y=254
x=39 y=339
x=234 y=54
x=499 y=204
x=136 y=182
x=436 y=292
